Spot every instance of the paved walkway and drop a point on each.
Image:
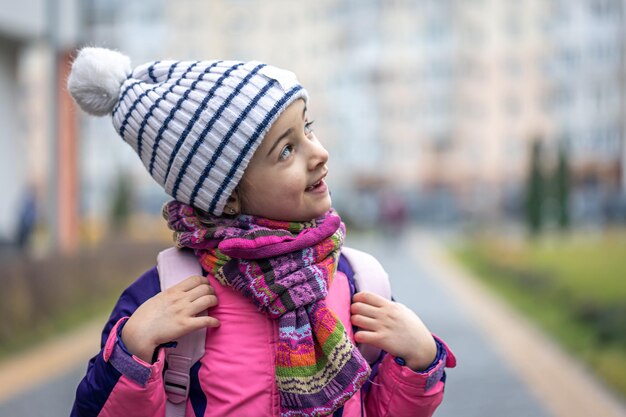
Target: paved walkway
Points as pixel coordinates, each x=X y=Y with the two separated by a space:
x=50 y=360
x=42 y=380
x=507 y=368
x=482 y=384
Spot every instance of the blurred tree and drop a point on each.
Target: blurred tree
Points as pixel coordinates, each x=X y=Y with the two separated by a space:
x=562 y=187
x=535 y=189
x=121 y=204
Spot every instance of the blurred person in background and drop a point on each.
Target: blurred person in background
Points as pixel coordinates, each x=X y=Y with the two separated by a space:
x=233 y=144
x=393 y=215
x=27 y=218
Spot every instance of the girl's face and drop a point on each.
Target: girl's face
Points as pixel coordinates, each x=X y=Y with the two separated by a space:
x=285 y=178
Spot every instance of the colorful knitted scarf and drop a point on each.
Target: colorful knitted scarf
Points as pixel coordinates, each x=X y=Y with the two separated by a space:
x=285 y=268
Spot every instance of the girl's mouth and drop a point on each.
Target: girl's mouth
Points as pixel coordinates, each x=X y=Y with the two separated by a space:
x=319 y=186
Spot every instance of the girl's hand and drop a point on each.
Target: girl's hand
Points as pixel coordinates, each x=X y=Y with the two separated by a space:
x=169 y=315
x=394 y=328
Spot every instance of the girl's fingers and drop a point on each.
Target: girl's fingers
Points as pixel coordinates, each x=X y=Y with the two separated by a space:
x=191 y=282
x=201 y=322
x=211 y=289
x=364 y=323
x=372 y=299
x=364 y=336
x=199 y=291
x=364 y=309
x=202 y=303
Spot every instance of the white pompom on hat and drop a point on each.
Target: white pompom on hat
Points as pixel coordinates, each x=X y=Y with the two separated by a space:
x=96 y=77
x=194 y=124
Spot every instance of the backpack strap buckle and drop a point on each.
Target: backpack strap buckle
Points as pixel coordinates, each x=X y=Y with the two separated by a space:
x=176 y=379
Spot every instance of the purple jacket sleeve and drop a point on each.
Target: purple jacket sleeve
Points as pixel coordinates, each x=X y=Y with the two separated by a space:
x=115 y=379
x=398 y=391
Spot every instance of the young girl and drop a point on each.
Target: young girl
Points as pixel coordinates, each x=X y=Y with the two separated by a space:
x=233 y=144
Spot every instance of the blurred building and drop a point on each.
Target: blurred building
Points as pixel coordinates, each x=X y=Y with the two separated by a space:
x=441 y=97
x=36 y=148
x=498 y=103
x=586 y=96
x=437 y=99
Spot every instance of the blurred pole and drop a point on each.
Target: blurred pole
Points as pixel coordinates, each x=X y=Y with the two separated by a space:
x=622 y=95
x=52 y=206
x=67 y=159
x=63 y=182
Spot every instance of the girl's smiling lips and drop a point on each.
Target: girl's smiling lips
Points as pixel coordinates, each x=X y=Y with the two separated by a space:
x=319 y=186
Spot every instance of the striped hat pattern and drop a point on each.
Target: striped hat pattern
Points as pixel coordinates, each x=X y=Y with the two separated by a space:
x=194 y=124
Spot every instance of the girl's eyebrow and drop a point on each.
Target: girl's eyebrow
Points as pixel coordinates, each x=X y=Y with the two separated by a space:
x=285 y=134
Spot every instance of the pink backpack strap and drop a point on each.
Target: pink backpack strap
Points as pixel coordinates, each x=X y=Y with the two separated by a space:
x=175 y=265
x=369 y=275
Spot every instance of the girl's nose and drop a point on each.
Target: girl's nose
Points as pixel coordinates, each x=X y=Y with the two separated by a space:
x=318 y=155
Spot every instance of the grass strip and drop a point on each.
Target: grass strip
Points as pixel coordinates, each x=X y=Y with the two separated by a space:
x=572 y=287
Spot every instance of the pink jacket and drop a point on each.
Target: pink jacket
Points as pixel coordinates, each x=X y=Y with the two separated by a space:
x=235 y=377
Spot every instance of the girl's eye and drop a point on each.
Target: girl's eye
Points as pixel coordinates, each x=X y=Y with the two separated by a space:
x=284 y=154
x=307 y=127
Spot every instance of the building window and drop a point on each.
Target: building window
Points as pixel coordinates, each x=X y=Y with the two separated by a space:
x=603 y=9
x=513 y=105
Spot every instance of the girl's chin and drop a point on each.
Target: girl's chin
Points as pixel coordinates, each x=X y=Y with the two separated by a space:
x=304 y=214
x=323 y=212
x=309 y=216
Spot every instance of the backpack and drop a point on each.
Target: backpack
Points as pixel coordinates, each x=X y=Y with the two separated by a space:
x=174 y=265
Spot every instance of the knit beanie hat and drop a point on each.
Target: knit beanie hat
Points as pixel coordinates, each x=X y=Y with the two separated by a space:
x=194 y=124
